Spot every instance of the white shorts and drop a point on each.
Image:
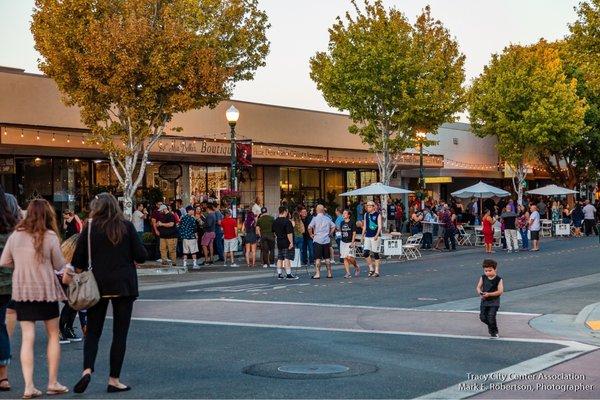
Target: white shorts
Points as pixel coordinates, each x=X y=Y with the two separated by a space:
x=346 y=250
x=190 y=246
x=231 y=245
x=371 y=244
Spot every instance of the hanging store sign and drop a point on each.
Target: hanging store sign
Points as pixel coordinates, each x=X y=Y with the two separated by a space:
x=7 y=165
x=170 y=171
x=244 y=153
x=438 y=179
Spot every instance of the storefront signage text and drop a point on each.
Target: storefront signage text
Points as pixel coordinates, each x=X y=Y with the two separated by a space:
x=438 y=179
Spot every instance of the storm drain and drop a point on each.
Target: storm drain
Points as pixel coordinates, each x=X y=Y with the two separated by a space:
x=309 y=370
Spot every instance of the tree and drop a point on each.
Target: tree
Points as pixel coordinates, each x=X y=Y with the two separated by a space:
x=130 y=65
x=524 y=99
x=395 y=79
x=578 y=160
x=584 y=42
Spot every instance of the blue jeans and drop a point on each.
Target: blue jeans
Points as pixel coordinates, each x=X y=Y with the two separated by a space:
x=524 y=238
x=4 y=341
x=307 y=246
x=219 y=243
x=299 y=243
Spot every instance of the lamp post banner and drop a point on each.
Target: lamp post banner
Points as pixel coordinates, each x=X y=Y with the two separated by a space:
x=244 y=153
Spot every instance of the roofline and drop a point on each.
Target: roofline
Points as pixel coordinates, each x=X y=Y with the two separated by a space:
x=450 y=125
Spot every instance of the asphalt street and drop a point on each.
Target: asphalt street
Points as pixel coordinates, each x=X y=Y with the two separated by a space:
x=435 y=279
x=228 y=338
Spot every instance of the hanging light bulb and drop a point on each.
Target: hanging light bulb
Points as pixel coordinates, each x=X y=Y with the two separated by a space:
x=5 y=132
x=22 y=134
x=37 y=135
x=68 y=138
x=53 y=138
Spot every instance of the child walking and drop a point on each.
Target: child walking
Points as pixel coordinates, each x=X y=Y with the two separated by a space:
x=489 y=288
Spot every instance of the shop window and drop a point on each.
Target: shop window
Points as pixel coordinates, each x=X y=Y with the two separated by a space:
x=351 y=183
x=71 y=184
x=251 y=185
x=198 y=180
x=34 y=179
x=300 y=186
x=367 y=178
x=334 y=186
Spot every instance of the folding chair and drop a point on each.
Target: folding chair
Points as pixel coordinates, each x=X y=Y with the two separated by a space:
x=464 y=238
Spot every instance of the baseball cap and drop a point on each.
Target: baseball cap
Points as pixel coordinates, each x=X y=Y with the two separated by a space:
x=162 y=208
x=263 y=210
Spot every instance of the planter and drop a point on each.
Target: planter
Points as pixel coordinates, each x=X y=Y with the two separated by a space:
x=151 y=250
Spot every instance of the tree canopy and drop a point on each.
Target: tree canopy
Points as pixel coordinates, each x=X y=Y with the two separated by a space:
x=131 y=64
x=394 y=78
x=584 y=42
x=524 y=98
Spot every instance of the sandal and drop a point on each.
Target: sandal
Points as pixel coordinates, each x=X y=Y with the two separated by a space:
x=59 y=389
x=371 y=273
x=315 y=277
x=330 y=277
x=32 y=395
x=4 y=388
x=375 y=275
x=357 y=273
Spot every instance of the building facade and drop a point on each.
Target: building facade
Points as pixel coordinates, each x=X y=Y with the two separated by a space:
x=298 y=155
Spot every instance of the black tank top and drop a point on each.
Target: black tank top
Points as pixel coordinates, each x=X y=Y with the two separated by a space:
x=491 y=285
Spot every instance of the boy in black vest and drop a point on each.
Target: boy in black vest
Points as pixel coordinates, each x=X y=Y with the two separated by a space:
x=489 y=288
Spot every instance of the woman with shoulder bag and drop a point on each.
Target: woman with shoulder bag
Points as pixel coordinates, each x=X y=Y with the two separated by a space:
x=33 y=250
x=115 y=248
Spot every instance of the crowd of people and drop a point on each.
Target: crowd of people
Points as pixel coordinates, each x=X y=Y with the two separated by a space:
x=35 y=268
x=510 y=220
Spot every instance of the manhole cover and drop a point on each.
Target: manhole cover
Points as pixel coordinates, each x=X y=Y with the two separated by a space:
x=310 y=369
x=313 y=368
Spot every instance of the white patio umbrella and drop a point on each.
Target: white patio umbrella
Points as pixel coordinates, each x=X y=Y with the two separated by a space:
x=481 y=191
x=376 y=189
x=551 y=190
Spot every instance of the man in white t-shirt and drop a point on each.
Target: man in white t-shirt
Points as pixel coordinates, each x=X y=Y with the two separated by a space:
x=589 y=218
x=534 y=227
x=139 y=215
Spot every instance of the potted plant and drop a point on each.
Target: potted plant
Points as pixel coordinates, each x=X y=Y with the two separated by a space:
x=149 y=242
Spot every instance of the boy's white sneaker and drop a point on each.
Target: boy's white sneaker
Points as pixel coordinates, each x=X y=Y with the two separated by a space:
x=494 y=336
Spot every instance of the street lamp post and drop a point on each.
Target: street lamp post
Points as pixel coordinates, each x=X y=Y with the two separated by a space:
x=421 y=137
x=232 y=115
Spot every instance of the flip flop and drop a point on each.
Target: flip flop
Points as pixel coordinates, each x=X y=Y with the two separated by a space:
x=33 y=395
x=5 y=388
x=371 y=273
x=330 y=277
x=60 y=389
x=313 y=277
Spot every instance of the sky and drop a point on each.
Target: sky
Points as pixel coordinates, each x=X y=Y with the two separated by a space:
x=299 y=30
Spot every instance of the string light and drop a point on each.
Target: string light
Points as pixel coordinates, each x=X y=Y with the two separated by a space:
x=68 y=138
x=38 y=135
x=53 y=138
x=22 y=134
x=5 y=132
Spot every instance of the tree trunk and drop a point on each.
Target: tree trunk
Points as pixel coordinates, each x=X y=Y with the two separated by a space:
x=385 y=172
x=518 y=180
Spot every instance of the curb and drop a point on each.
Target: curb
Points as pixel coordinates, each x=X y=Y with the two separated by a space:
x=590 y=317
x=152 y=271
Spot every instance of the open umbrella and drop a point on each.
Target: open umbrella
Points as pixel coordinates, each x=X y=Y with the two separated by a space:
x=376 y=189
x=551 y=190
x=481 y=191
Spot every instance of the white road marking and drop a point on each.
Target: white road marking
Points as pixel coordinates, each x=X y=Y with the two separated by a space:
x=571 y=345
x=336 y=306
